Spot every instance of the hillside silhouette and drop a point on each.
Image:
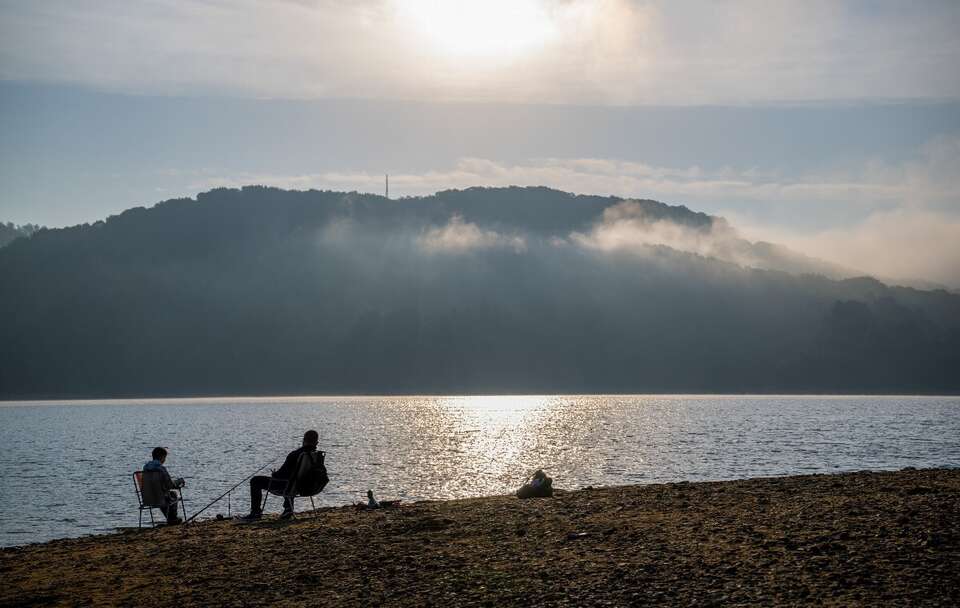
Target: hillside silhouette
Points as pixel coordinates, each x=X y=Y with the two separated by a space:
x=485 y=290
x=10 y=231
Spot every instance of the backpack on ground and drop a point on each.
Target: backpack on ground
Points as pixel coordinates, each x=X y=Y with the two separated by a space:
x=539 y=486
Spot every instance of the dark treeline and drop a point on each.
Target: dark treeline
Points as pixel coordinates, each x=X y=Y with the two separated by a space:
x=265 y=291
x=10 y=231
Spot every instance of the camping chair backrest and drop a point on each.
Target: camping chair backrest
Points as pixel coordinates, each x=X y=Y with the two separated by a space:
x=138 y=485
x=151 y=488
x=311 y=474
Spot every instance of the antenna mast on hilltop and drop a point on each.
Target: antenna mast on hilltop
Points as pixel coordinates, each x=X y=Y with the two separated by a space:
x=386 y=181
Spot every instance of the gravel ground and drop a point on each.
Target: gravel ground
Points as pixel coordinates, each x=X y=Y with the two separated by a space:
x=857 y=539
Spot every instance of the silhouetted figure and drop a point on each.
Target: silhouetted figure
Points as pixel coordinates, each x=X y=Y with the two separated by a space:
x=539 y=486
x=277 y=483
x=167 y=484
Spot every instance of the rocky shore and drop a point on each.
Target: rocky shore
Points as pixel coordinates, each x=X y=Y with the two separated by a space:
x=857 y=539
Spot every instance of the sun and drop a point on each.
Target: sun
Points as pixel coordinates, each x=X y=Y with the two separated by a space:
x=480 y=28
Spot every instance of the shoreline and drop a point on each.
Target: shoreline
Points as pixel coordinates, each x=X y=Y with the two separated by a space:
x=860 y=538
x=86 y=400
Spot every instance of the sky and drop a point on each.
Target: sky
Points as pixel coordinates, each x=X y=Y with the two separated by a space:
x=831 y=127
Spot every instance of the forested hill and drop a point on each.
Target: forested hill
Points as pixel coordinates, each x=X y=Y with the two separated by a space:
x=10 y=231
x=265 y=291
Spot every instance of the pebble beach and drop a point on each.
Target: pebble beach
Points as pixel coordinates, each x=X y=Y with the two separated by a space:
x=853 y=539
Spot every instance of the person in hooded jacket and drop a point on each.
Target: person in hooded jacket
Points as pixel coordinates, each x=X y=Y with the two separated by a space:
x=167 y=484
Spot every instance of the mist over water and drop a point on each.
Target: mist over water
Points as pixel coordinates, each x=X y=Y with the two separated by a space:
x=67 y=465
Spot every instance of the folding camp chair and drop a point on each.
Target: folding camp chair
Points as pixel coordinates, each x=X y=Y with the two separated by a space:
x=309 y=480
x=149 y=488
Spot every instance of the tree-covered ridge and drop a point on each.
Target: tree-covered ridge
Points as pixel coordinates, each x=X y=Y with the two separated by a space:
x=261 y=290
x=10 y=231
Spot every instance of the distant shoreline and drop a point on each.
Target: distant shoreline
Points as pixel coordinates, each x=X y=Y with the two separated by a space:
x=214 y=397
x=867 y=538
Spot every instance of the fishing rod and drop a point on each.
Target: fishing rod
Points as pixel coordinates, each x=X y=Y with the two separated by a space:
x=219 y=498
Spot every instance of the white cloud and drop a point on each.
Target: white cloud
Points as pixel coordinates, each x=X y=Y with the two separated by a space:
x=903 y=245
x=626 y=226
x=571 y=51
x=911 y=232
x=458 y=236
x=900 y=244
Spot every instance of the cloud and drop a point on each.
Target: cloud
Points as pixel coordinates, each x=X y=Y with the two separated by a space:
x=910 y=231
x=572 y=51
x=458 y=236
x=626 y=226
x=904 y=245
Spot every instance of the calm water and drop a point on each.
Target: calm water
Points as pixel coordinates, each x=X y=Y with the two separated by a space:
x=66 y=465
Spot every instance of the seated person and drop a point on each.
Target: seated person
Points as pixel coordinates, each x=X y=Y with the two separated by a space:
x=167 y=485
x=276 y=484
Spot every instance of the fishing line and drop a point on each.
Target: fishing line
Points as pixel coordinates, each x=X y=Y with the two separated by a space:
x=219 y=498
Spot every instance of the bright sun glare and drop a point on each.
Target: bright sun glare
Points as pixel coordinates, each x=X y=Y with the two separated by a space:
x=484 y=28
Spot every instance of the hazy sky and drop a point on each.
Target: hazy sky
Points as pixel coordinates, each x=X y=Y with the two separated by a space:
x=830 y=126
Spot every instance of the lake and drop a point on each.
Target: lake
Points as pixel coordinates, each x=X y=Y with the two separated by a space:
x=67 y=465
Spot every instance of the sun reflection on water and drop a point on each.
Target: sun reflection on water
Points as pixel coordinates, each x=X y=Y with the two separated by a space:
x=497 y=438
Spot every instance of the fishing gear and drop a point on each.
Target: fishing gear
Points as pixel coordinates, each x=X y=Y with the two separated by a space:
x=227 y=493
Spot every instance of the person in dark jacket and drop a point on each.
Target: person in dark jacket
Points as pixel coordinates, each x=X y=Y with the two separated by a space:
x=167 y=484
x=277 y=483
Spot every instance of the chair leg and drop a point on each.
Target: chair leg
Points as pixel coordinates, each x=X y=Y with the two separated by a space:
x=140 y=519
x=313 y=506
x=152 y=523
